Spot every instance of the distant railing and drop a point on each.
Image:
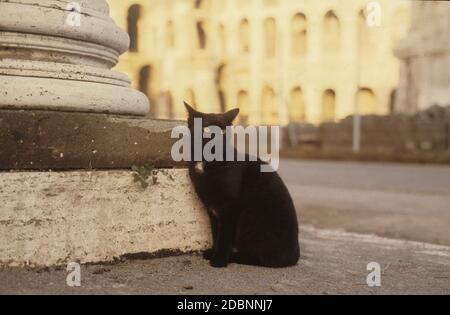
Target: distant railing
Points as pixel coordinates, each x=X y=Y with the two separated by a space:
x=425 y=131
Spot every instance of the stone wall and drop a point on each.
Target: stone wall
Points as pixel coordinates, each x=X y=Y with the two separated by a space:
x=52 y=218
x=286 y=83
x=424 y=131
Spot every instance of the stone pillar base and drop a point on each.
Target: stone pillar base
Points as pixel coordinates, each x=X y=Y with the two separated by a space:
x=57 y=55
x=52 y=218
x=68 y=193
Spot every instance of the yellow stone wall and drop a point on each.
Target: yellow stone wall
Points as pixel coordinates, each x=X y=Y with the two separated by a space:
x=278 y=60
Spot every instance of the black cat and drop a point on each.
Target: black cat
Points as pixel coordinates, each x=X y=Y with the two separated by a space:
x=253 y=218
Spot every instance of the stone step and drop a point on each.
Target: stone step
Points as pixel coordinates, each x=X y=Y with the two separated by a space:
x=43 y=140
x=51 y=218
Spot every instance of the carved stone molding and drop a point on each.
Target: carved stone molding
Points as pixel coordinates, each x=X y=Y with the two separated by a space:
x=55 y=55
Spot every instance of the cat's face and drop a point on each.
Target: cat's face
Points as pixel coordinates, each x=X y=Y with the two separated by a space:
x=208 y=120
x=210 y=125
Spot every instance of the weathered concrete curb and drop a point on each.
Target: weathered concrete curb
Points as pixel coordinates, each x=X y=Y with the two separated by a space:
x=50 y=218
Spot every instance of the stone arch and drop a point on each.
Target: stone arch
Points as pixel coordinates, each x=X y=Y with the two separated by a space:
x=199 y=4
x=134 y=14
x=146 y=86
x=189 y=97
x=331 y=32
x=203 y=4
x=201 y=35
x=329 y=105
x=366 y=100
x=269 y=106
x=270 y=37
x=297 y=105
x=145 y=78
x=243 y=104
x=299 y=35
x=244 y=35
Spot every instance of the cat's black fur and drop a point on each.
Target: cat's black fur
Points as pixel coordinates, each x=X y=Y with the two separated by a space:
x=253 y=218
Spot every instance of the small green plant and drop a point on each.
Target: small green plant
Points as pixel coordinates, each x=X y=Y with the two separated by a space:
x=145 y=175
x=167 y=173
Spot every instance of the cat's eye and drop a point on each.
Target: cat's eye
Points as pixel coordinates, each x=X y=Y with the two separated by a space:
x=207 y=130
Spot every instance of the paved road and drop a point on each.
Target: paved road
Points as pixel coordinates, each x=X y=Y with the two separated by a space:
x=392 y=200
x=332 y=263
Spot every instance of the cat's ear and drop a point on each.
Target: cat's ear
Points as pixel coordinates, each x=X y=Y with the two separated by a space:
x=231 y=115
x=191 y=111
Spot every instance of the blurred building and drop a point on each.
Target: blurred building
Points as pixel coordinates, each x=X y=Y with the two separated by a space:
x=277 y=60
x=425 y=54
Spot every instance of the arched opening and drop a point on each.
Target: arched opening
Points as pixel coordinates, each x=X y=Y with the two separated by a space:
x=270 y=37
x=392 y=101
x=198 y=4
x=134 y=14
x=170 y=35
x=331 y=32
x=201 y=34
x=189 y=97
x=243 y=105
x=244 y=36
x=146 y=81
x=299 y=35
x=269 y=106
x=297 y=105
x=367 y=103
x=328 y=106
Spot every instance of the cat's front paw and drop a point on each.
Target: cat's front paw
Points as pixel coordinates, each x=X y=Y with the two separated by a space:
x=218 y=263
x=207 y=254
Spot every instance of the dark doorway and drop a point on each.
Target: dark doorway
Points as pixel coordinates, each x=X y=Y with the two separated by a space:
x=145 y=86
x=134 y=13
